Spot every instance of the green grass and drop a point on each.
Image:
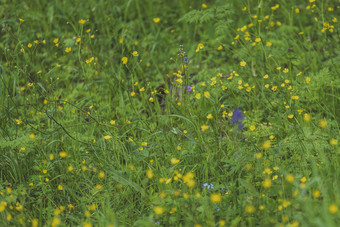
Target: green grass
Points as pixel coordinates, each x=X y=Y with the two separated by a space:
x=93 y=133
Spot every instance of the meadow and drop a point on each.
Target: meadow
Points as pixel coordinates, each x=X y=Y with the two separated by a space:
x=169 y=113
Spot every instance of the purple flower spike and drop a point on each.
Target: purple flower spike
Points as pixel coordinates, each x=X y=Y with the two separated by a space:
x=237 y=116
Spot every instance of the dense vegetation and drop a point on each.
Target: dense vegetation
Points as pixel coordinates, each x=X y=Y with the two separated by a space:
x=169 y=113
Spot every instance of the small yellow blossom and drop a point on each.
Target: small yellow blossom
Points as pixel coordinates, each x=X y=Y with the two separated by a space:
x=198 y=96
x=35 y=222
x=124 y=60
x=221 y=223
x=323 y=123
x=81 y=21
x=68 y=49
x=307 y=117
x=99 y=187
x=107 y=137
x=200 y=46
x=62 y=154
x=243 y=63
x=290 y=178
x=216 y=198
x=249 y=209
x=158 y=210
x=101 y=174
x=156 y=20
x=267 y=183
x=174 y=161
x=204 y=127
x=258 y=155
x=149 y=173
x=266 y=145
x=316 y=194
x=87 y=224
x=333 y=208
x=333 y=142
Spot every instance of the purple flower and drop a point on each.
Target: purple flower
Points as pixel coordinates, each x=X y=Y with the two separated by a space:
x=185 y=59
x=237 y=116
x=189 y=88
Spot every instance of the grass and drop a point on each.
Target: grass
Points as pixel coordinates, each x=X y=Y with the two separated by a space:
x=173 y=113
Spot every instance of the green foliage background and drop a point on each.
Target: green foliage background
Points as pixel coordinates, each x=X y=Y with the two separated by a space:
x=81 y=132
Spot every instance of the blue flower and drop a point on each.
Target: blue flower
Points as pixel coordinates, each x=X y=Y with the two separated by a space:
x=237 y=116
x=185 y=59
x=208 y=186
x=225 y=190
